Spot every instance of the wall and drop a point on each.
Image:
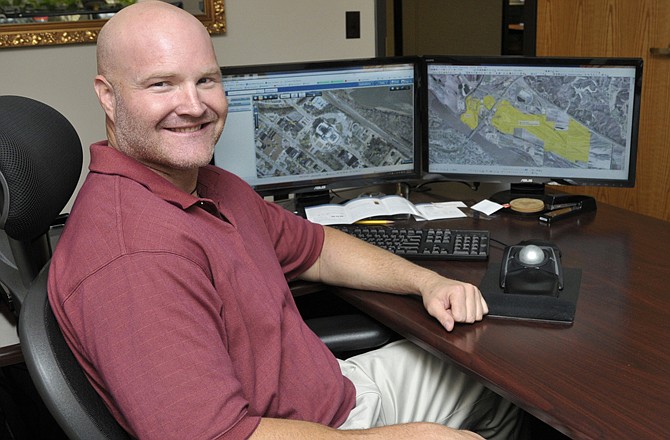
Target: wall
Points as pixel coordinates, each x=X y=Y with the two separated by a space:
x=258 y=31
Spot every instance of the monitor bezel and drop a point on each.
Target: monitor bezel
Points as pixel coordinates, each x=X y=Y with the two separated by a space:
x=530 y=180
x=327 y=183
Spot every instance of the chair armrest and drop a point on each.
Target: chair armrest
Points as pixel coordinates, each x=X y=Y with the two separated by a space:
x=350 y=333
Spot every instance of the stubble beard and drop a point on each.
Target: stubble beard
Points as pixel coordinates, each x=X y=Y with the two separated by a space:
x=142 y=142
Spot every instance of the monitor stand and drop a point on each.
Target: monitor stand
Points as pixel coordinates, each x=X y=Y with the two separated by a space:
x=312 y=198
x=519 y=190
x=300 y=201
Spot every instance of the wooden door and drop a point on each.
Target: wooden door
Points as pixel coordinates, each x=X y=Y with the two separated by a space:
x=622 y=28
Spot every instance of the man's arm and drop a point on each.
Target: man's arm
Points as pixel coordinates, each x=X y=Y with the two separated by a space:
x=349 y=262
x=276 y=429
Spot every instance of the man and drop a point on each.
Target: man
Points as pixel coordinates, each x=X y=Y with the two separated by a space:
x=169 y=280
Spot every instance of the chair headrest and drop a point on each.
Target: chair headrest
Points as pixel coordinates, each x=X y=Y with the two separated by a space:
x=40 y=165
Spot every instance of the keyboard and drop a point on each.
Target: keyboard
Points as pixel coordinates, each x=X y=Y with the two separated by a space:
x=424 y=244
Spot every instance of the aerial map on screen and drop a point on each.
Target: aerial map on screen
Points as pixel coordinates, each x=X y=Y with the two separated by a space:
x=334 y=130
x=510 y=119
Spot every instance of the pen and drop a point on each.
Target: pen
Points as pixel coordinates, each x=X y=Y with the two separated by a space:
x=374 y=222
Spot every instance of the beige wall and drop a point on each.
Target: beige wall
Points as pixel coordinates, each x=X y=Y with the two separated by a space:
x=258 y=31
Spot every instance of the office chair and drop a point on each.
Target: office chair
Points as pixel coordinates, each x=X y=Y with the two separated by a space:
x=40 y=165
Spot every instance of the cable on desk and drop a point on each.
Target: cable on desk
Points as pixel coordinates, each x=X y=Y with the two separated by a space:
x=498 y=241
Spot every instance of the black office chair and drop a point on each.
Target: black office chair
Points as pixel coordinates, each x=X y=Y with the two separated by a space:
x=40 y=164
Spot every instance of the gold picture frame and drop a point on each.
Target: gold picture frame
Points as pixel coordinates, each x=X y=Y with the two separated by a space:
x=86 y=31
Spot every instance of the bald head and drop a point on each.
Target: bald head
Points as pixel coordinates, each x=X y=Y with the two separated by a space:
x=145 y=26
x=159 y=84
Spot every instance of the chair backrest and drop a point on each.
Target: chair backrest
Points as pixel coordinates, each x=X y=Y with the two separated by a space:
x=40 y=165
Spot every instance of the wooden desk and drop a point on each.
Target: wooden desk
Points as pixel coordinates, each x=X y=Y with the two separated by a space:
x=10 y=348
x=605 y=377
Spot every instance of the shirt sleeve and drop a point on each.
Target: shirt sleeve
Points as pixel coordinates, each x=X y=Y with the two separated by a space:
x=297 y=242
x=149 y=322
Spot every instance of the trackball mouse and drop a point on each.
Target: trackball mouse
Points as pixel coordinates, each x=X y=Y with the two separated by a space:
x=532 y=267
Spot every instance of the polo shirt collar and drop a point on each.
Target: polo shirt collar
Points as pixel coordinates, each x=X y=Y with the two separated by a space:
x=109 y=160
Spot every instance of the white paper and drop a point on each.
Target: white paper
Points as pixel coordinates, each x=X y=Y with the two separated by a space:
x=487 y=207
x=435 y=211
x=328 y=215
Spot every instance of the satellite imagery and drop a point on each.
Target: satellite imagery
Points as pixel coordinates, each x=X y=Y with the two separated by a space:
x=529 y=121
x=333 y=130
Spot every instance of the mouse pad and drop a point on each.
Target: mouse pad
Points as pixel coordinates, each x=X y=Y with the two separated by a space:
x=532 y=307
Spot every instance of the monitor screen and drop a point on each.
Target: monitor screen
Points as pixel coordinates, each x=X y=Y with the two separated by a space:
x=303 y=127
x=571 y=121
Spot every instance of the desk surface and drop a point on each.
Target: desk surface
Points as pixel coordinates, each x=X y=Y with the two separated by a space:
x=606 y=376
x=10 y=348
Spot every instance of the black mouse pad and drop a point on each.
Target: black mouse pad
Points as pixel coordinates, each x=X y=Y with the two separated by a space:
x=532 y=307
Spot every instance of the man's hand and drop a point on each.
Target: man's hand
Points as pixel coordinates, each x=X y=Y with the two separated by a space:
x=451 y=301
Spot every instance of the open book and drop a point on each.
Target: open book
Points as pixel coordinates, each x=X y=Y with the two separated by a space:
x=369 y=207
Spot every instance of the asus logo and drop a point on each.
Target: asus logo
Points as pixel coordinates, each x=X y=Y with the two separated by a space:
x=318 y=187
x=526 y=180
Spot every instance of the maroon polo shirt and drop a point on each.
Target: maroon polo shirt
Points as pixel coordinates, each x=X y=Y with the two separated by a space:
x=178 y=307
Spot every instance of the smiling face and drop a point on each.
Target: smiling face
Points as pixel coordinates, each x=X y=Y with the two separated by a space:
x=170 y=115
x=160 y=86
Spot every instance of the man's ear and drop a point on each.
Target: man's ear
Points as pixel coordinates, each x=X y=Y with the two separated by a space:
x=105 y=93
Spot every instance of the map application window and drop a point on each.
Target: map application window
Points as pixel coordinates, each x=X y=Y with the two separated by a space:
x=554 y=121
x=292 y=126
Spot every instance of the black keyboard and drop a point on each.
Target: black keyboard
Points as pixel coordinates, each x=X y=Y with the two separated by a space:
x=424 y=244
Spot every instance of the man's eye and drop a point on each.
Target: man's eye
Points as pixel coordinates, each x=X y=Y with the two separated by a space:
x=159 y=84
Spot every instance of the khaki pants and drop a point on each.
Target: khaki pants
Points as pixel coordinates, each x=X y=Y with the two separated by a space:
x=402 y=383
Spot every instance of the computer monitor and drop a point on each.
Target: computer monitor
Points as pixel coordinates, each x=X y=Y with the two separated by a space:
x=530 y=121
x=307 y=127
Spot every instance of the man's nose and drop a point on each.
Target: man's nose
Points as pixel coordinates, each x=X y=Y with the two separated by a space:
x=190 y=101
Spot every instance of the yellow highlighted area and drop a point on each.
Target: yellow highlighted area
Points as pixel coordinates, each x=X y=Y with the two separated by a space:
x=572 y=143
x=471 y=115
x=489 y=102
